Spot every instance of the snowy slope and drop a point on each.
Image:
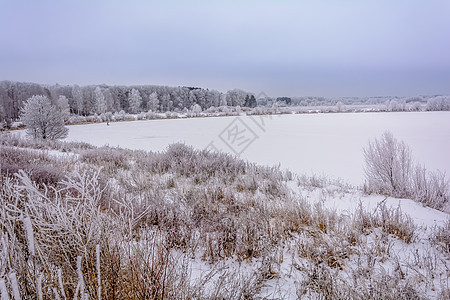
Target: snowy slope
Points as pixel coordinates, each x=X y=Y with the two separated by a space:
x=379 y=254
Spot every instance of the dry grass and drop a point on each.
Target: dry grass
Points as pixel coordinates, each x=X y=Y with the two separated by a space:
x=150 y=214
x=441 y=237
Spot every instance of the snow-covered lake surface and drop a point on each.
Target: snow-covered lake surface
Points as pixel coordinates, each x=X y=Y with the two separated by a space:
x=329 y=144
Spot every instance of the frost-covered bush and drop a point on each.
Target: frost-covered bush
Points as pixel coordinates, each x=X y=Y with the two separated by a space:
x=76 y=119
x=119 y=116
x=388 y=166
x=196 y=110
x=340 y=106
x=171 y=114
x=150 y=115
x=390 y=170
x=129 y=117
x=10 y=139
x=105 y=157
x=106 y=117
x=40 y=167
x=142 y=116
x=92 y=119
x=431 y=188
x=441 y=237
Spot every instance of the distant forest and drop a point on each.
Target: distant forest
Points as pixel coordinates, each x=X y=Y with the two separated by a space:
x=98 y=99
x=99 y=102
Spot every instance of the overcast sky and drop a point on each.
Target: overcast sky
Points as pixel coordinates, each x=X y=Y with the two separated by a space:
x=323 y=48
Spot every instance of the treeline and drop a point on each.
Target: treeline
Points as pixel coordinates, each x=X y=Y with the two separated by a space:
x=98 y=99
x=95 y=103
x=386 y=103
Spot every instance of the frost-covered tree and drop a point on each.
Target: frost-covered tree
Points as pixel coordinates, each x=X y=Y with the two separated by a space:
x=395 y=105
x=63 y=106
x=109 y=100
x=153 y=102
x=340 y=106
x=213 y=98
x=42 y=119
x=196 y=109
x=236 y=97
x=438 y=104
x=77 y=95
x=165 y=98
x=223 y=100
x=134 y=101
x=415 y=106
x=100 y=100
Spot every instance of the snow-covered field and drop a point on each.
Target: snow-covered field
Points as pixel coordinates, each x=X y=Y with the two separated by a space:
x=329 y=144
x=398 y=245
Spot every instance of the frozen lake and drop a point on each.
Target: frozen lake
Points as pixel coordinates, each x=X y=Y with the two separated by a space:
x=328 y=144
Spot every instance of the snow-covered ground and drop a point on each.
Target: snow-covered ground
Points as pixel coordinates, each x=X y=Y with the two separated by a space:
x=322 y=143
x=329 y=144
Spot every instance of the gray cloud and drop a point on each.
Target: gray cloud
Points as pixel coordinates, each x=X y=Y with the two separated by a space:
x=281 y=47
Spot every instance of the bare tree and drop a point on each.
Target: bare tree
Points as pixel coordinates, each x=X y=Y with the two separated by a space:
x=42 y=119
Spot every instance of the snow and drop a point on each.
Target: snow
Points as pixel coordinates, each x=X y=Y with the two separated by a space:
x=349 y=202
x=14 y=285
x=3 y=290
x=328 y=144
x=50 y=152
x=39 y=287
x=29 y=231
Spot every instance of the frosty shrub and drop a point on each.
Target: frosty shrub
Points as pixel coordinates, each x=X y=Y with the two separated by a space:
x=39 y=166
x=150 y=115
x=196 y=110
x=441 y=237
x=388 y=166
x=119 y=116
x=141 y=116
x=431 y=188
x=105 y=155
x=390 y=170
x=42 y=119
x=75 y=119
